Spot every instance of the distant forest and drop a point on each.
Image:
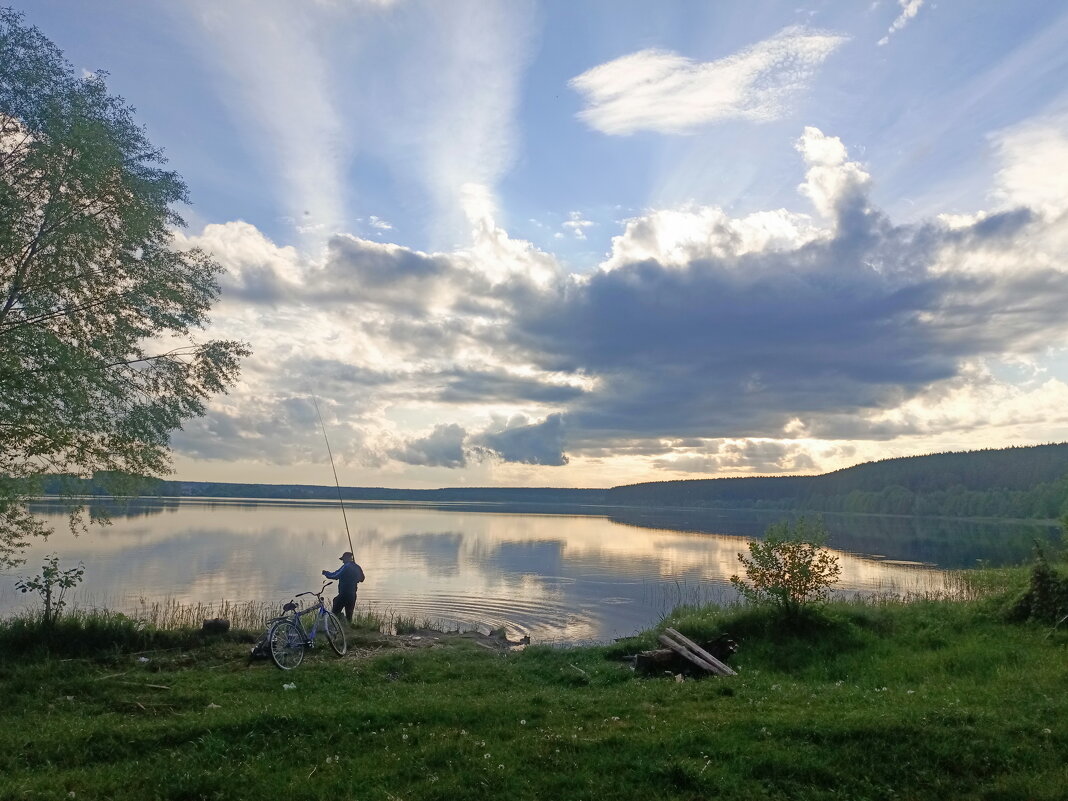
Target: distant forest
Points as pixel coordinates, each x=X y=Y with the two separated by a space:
x=1026 y=482
x=1023 y=483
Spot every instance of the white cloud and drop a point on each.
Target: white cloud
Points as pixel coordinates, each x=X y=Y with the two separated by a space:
x=831 y=181
x=678 y=237
x=662 y=91
x=1034 y=155
x=909 y=10
x=577 y=225
x=444 y=115
x=280 y=88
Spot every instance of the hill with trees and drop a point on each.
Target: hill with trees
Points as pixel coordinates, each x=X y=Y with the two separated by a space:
x=1023 y=482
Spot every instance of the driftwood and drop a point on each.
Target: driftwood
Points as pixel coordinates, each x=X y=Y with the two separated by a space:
x=718 y=667
x=681 y=653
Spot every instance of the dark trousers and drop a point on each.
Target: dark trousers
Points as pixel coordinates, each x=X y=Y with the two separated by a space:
x=348 y=604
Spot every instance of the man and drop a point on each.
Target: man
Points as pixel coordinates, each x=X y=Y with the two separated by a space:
x=348 y=576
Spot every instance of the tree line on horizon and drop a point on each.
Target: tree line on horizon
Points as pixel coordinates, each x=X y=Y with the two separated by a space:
x=1020 y=482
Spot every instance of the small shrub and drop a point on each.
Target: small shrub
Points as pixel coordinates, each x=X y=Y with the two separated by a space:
x=789 y=569
x=52 y=585
x=1046 y=598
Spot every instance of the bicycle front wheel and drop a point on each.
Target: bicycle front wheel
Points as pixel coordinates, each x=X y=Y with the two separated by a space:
x=335 y=635
x=286 y=644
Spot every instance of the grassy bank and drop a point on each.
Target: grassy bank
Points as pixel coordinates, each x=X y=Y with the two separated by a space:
x=927 y=700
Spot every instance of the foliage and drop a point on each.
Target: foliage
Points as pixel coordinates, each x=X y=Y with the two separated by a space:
x=1046 y=598
x=52 y=585
x=789 y=568
x=97 y=359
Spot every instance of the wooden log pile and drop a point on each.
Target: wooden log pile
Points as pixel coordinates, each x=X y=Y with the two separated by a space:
x=683 y=652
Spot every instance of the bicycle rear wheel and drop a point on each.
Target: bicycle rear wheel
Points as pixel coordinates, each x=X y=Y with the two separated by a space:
x=286 y=644
x=335 y=635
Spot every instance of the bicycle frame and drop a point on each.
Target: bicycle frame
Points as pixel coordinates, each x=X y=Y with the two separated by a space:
x=296 y=614
x=309 y=636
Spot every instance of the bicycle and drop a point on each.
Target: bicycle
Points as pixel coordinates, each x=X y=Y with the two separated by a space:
x=286 y=639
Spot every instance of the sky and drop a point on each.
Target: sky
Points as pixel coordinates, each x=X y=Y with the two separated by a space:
x=589 y=244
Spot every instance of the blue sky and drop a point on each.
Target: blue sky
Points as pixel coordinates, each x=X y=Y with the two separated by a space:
x=593 y=243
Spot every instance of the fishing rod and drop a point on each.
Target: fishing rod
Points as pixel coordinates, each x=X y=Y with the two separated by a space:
x=336 y=482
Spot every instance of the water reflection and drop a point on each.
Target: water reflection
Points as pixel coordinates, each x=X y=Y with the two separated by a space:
x=560 y=578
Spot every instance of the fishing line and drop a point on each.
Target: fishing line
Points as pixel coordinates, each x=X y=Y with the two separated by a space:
x=336 y=482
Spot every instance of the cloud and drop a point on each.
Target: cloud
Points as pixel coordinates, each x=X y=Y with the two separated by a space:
x=909 y=10
x=577 y=225
x=280 y=87
x=754 y=456
x=705 y=342
x=441 y=448
x=1030 y=152
x=661 y=91
x=444 y=115
x=518 y=440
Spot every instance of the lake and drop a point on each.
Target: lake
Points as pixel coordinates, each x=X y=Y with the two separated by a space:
x=558 y=575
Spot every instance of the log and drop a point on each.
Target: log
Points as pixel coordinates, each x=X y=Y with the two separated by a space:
x=660 y=659
x=718 y=667
x=686 y=653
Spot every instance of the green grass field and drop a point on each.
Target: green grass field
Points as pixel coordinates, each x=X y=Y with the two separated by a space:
x=885 y=700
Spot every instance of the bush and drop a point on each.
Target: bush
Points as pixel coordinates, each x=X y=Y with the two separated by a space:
x=1046 y=597
x=789 y=569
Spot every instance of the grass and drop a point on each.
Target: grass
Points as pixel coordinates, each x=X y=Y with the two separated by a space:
x=932 y=699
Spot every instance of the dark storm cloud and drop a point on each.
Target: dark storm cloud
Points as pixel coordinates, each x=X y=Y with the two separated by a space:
x=739 y=346
x=538 y=443
x=466 y=386
x=444 y=447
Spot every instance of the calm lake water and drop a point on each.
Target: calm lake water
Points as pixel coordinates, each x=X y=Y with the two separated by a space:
x=561 y=577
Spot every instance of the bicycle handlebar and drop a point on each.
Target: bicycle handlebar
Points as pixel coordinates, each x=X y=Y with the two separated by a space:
x=312 y=592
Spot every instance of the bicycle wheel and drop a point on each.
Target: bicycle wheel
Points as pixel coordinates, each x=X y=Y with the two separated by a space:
x=335 y=635
x=286 y=644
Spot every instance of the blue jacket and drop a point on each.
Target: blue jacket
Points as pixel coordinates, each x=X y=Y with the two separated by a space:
x=348 y=576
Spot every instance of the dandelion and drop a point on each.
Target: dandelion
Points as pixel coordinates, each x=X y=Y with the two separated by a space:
x=1047 y=731
x=404 y=736
x=615 y=717
x=522 y=723
x=290 y=686
x=500 y=767
x=486 y=756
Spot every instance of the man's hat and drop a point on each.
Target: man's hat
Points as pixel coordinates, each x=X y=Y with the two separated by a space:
x=347 y=553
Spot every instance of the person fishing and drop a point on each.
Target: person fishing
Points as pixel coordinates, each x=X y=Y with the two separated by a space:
x=347 y=576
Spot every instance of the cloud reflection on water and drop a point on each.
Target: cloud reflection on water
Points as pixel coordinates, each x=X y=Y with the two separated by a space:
x=555 y=577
